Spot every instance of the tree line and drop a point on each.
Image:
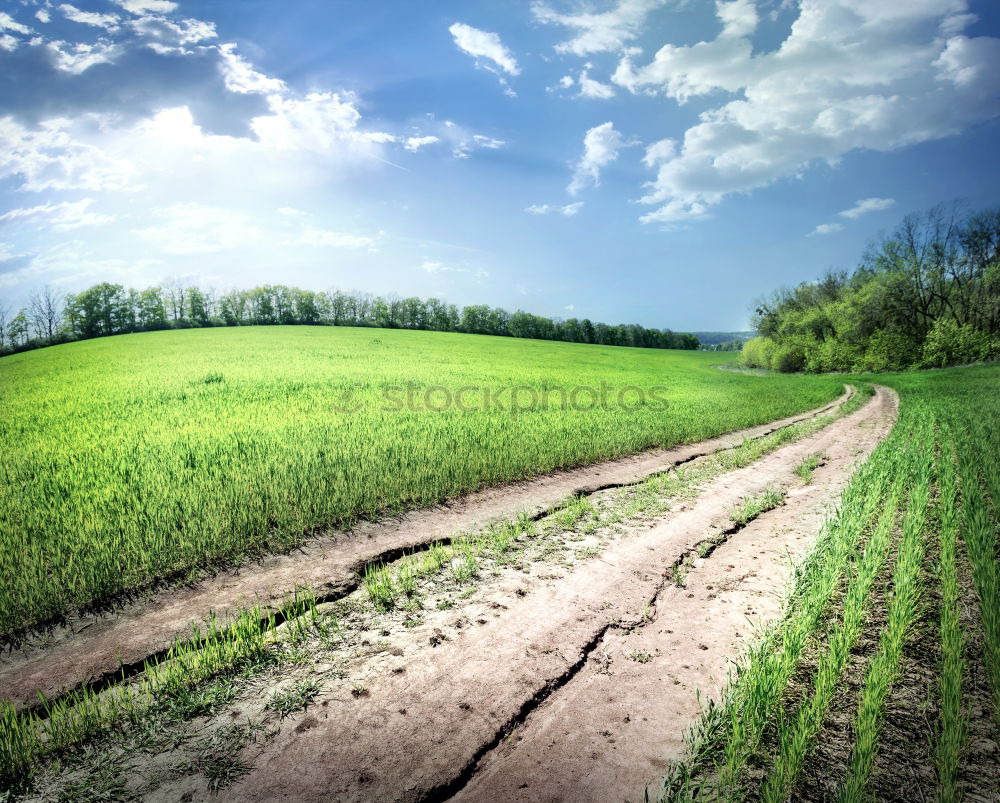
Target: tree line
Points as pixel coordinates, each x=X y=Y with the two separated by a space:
x=50 y=317
x=925 y=295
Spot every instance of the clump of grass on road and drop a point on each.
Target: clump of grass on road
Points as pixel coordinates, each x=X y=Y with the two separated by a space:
x=751 y=508
x=804 y=470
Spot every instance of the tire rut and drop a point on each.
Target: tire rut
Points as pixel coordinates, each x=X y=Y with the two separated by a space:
x=520 y=709
x=92 y=650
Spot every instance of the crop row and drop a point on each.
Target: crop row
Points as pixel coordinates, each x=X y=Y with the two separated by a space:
x=942 y=461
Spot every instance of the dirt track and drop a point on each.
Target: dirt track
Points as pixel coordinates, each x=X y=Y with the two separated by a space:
x=95 y=646
x=574 y=686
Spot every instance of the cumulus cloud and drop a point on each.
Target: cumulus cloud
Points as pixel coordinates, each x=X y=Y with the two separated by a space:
x=569 y=210
x=867 y=205
x=598 y=33
x=58 y=156
x=414 y=144
x=485 y=45
x=143 y=66
x=589 y=88
x=659 y=152
x=600 y=148
x=165 y=35
x=240 y=77
x=850 y=75
x=321 y=122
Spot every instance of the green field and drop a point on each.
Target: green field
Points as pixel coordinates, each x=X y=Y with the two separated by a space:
x=140 y=457
x=916 y=518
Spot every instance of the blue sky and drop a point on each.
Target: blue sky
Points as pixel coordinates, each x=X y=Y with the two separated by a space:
x=642 y=161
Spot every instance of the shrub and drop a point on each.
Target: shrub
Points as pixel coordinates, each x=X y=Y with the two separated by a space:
x=788 y=358
x=831 y=355
x=950 y=344
x=757 y=352
x=887 y=351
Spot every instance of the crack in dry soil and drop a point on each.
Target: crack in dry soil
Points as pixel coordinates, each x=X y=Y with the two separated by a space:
x=93 y=649
x=517 y=709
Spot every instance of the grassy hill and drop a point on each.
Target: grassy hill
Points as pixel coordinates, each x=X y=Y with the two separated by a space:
x=132 y=458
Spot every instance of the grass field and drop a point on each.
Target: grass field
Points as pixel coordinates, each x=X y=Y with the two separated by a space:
x=130 y=459
x=919 y=515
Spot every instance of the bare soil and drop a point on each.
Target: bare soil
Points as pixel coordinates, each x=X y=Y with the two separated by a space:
x=94 y=646
x=573 y=684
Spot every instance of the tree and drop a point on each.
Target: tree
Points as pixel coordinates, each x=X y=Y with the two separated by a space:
x=45 y=312
x=151 y=312
x=107 y=309
x=4 y=325
x=18 y=330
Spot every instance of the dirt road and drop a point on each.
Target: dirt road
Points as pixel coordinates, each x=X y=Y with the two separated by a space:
x=92 y=648
x=572 y=686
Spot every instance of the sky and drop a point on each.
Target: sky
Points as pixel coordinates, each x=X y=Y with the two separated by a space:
x=661 y=162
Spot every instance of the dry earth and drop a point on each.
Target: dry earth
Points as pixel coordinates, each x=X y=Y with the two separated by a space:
x=569 y=685
x=92 y=648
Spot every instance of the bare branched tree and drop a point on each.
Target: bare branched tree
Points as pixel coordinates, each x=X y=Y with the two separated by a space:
x=5 y=313
x=45 y=311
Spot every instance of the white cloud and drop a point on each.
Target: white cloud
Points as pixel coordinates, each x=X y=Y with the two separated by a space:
x=414 y=144
x=589 y=88
x=597 y=33
x=60 y=217
x=862 y=207
x=240 y=77
x=827 y=228
x=140 y=7
x=489 y=143
x=42 y=15
x=600 y=148
x=79 y=57
x=290 y=211
x=462 y=141
x=485 y=45
x=738 y=17
x=107 y=21
x=570 y=307
x=866 y=206
x=58 y=156
x=8 y=23
x=319 y=123
x=850 y=75
x=167 y=36
x=569 y=210
x=659 y=152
